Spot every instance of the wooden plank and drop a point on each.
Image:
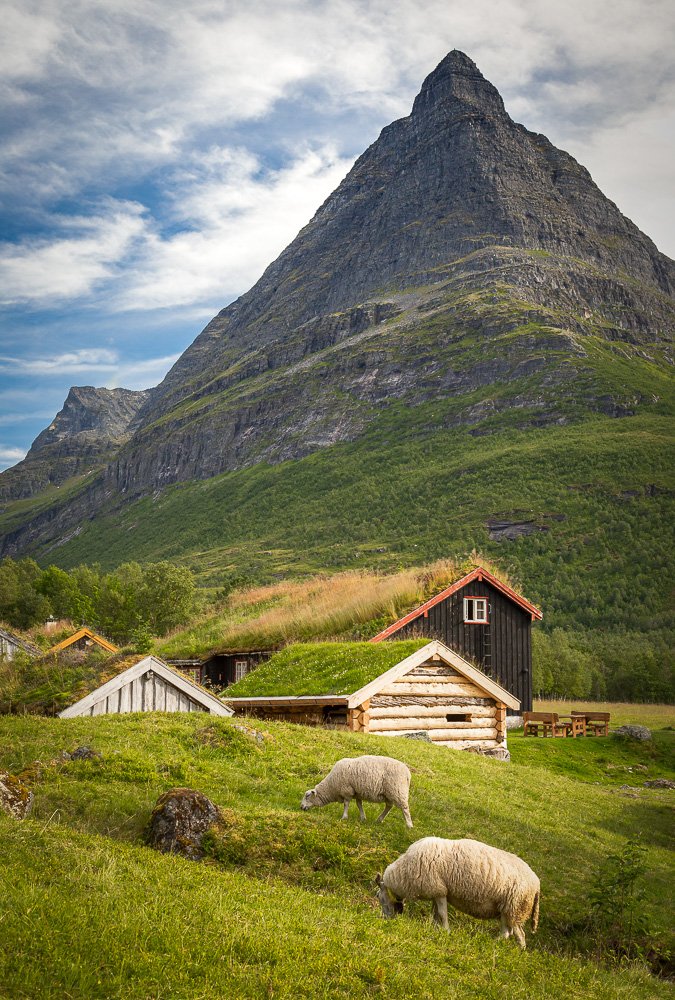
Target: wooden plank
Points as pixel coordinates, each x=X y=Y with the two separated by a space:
x=384 y=701
x=172 y=696
x=136 y=695
x=443 y=733
x=448 y=689
x=439 y=706
x=160 y=694
x=467 y=745
x=433 y=670
x=433 y=681
x=426 y=722
x=98 y=708
x=125 y=698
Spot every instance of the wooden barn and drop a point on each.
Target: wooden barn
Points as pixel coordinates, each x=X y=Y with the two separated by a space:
x=397 y=689
x=148 y=685
x=11 y=644
x=485 y=621
x=84 y=639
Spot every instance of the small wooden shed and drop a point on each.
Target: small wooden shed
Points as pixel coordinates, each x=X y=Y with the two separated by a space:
x=84 y=639
x=429 y=690
x=11 y=644
x=147 y=686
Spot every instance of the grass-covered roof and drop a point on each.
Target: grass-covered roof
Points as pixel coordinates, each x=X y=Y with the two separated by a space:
x=316 y=668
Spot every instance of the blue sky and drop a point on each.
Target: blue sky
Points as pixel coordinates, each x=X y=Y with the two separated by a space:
x=157 y=155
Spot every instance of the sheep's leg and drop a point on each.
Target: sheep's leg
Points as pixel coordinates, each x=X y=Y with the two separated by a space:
x=362 y=815
x=519 y=935
x=440 y=912
x=346 y=809
x=406 y=816
x=385 y=812
x=506 y=931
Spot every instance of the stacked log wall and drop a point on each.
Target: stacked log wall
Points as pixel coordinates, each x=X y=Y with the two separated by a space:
x=422 y=700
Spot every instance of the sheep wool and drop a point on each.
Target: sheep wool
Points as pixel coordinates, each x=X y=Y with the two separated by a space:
x=369 y=778
x=475 y=878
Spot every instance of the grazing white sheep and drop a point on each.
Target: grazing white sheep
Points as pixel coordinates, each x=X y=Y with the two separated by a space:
x=473 y=877
x=369 y=778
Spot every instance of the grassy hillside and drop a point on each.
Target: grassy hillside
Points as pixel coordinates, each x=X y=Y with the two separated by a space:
x=284 y=905
x=597 y=496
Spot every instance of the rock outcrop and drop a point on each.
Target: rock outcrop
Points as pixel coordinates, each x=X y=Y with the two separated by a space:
x=179 y=820
x=16 y=799
x=84 y=434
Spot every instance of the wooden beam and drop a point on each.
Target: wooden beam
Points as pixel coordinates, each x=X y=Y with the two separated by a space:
x=425 y=722
x=439 y=708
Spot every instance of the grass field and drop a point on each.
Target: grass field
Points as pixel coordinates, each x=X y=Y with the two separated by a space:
x=284 y=907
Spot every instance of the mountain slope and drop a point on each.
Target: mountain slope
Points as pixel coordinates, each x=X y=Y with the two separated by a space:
x=465 y=301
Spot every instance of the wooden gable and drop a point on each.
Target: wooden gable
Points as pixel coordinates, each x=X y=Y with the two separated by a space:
x=461 y=678
x=86 y=636
x=148 y=686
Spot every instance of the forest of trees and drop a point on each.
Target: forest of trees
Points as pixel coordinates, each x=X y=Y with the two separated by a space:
x=128 y=605
x=602 y=666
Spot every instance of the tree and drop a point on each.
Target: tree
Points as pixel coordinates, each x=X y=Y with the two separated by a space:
x=21 y=603
x=167 y=596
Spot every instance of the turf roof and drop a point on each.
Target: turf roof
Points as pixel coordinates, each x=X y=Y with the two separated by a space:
x=316 y=668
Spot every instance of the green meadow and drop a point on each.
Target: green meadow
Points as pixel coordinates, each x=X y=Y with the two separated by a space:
x=283 y=905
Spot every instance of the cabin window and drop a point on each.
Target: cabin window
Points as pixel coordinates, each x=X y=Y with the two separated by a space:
x=458 y=717
x=240 y=669
x=476 y=610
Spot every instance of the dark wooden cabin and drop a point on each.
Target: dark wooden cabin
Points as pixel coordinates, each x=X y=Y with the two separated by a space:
x=484 y=620
x=221 y=669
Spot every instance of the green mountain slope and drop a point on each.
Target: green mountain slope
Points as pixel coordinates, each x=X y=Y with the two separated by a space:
x=467 y=346
x=593 y=500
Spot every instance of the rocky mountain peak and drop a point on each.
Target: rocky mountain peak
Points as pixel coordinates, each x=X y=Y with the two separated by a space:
x=105 y=413
x=457 y=85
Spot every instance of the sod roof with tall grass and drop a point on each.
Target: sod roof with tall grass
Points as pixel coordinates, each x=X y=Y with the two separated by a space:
x=320 y=668
x=50 y=683
x=346 y=606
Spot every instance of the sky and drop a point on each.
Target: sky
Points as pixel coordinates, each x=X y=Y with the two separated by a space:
x=157 y=155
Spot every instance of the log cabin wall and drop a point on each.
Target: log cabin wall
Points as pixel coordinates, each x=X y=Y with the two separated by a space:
x=435 y=699
x=501 y=647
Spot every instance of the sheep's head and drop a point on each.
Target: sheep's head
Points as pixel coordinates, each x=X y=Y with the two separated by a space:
x=309 y=799
x=391 y=904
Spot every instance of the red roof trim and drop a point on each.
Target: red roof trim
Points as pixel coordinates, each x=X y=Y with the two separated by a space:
x=479 y=574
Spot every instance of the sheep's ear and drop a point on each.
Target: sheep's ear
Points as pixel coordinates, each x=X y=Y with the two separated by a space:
x=378 y=880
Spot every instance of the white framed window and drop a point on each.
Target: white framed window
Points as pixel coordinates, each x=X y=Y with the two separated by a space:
x=240 y=669
x=476 y=610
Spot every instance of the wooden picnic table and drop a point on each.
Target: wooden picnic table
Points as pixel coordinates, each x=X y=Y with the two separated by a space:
x=575 y=724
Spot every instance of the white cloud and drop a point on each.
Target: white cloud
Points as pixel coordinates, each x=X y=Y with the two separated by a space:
x=106 y=364
x=141 y=374
x=65 y=267
x=10 y=456
x=87 y=359
x=237 y=220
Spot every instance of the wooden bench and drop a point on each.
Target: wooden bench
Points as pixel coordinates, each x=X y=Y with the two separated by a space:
x=545 y=723
x=597 y=723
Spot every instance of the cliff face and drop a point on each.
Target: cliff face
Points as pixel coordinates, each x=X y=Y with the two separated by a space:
x=455 y=216
x=462 y=257
x=84 y=434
